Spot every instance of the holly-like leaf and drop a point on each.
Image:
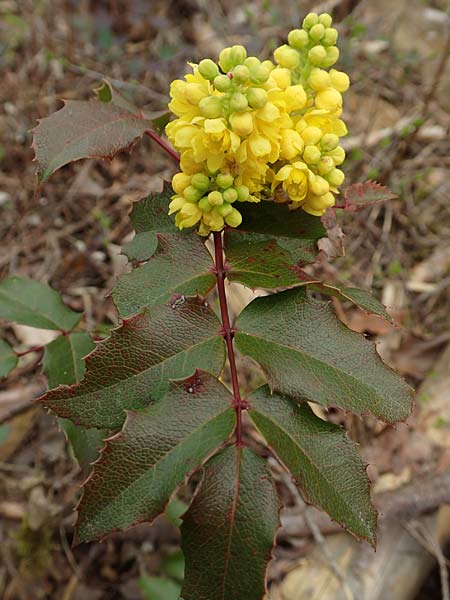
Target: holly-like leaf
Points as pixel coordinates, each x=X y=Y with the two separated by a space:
x=64 y=364
x=228 y=531
x=107 y=93
x=321 y=458
x=149 y=217
x=8 y=358
x=158 y=448
x=84 y=129
x=360 y=298
x=132 y=367
x=359 y=195
x=33 y=303
x=263 y=264
x=307 y=353
x=181 y=265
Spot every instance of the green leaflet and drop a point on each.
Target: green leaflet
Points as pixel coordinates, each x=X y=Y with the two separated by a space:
x=181 y=264
x=158 y=448
x=307 y=353
x=8 y=358
x=321 y=458
x=132 y=368
x=228 y=531
x=36 y=304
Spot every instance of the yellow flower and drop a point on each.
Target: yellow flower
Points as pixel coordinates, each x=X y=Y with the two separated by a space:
x=295 y=180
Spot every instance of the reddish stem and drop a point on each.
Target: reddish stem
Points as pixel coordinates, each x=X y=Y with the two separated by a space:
x=228 y=332
x=164 y=145
x=30 y=350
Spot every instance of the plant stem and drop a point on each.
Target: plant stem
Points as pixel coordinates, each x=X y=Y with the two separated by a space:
x=163 y=144
x=228 y=332
x=30 y=350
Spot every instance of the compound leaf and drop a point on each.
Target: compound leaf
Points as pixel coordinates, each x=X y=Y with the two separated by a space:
x=181 y=264
x=307 y=353
x=359 y=195
x=228 y=531
x=149 y=217
x=84 y=129
x=158 y=448
x=321 y=458
x=33 y=303
x=133 y=366
x=8 y=358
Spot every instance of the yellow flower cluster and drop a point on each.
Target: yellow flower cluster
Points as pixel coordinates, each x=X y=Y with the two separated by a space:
x=248 y=130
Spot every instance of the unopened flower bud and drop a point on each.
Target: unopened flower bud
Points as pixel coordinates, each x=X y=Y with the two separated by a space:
x=192 y=194
x=319 y=186
x=338 y=155
x=287 y=57
x=331 y=58
x=298 y=39
x=194 y=93
x=310 y=20
x=225 y=60
x=325 y=19
x=210 y=107
x=259 y=74
x=204 y=205
x=208 y=69
x=311 y=135
x=234 y=218
x=339 y=80
x=252 y=61
x=311 y=155
x=200 y=181
x=224 y=180
x=256 y=97
x=320 y=203
x=230 y=195
x=329 y=99
x=241 y=123
x=224 y=210
x=330 y=36
x=242 y=193
x=237 y=55
x=222 y=83
x=268 y=64
x=214 y=220
x=238 y=102
x=336 y=177
x=329 y=142
x=241 y=74
x=316 y=32
x=317 y=55
x=281 y=77
x=319 y=80
x=325 y=165
x=180 y=181
x=215 y=198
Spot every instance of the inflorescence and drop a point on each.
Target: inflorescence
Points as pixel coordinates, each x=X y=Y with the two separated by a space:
x=249 y=130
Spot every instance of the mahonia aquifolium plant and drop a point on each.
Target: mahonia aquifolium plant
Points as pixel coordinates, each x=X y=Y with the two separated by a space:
x=149 y=406
x=249 y=130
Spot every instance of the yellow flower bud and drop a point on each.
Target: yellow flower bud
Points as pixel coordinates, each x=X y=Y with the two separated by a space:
x=338 y=155
x=331 y=58
x=281 y=77
x=204 y=205
x=225 y=60
x=224 y=180
x=330 y=37
x=222 y=83
x=241 y=123
x=298 y=39
x=316 y=32
x=210 y=107
x=329 y=142
x=238 y=54
x=336 y=177
x=190 y=214
x=317 y=55
x=311 y=155
x=234 y=218
x=194 y=93
x=259 y=74
x=325 y=19
x=268 y=64
x=241 y=74
x=215 y=198
x=296 y=97
x=317 y=204
x=200 y=181
x=325 y=165
x=339 y=80
x=242 y=193
x=291 y=144
x=256 y=97
x=224 y=210
x=252 y=61
x=230 y=195
x=238 y=102
x=208 y=69
x=311 y=135
x=319 y=186
x=310 y=20
x=329 y=99
x=214 y=220
x=319 y=80
x=287 y=57
x=180 y=181
x=192 y=194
